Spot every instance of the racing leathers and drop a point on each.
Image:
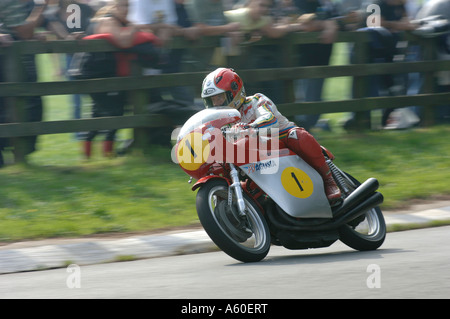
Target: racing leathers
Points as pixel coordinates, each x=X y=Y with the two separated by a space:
x=258 y=111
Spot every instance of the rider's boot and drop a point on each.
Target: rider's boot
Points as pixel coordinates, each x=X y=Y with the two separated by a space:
x=331 y=189
x=306 y=146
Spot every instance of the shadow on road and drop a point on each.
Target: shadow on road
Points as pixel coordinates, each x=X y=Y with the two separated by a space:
x=320 y=257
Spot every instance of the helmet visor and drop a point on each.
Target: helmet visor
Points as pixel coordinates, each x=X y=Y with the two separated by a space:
x=220 y=99
x=208 y=102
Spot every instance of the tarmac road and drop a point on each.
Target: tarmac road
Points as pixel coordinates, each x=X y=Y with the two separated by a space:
x=410 y=264
x=55 y=253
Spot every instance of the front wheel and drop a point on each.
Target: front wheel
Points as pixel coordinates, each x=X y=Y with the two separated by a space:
x=366 y=232
x=244 y=238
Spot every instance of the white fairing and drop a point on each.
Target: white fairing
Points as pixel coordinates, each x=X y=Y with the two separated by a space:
x=294 y=185
x=208 y=115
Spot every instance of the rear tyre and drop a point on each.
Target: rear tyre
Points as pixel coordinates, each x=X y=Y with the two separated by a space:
x=245 y=239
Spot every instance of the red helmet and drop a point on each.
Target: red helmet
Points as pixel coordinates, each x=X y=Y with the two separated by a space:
x=223 y=80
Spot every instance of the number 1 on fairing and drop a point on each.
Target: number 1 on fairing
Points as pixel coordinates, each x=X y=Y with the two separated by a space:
x=296 y=180
x=191 y=149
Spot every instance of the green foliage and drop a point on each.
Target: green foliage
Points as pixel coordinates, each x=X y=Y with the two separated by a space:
x=102 y=196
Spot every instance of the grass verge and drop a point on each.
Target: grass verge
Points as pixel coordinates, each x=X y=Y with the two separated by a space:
x=45 y=199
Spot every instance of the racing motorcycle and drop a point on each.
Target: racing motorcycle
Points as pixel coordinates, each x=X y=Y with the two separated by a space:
x=255 y=192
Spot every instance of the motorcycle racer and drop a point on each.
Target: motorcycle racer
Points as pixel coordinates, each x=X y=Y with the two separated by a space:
x=224 y=87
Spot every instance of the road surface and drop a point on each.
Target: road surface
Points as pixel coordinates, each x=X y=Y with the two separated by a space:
x=410 y=264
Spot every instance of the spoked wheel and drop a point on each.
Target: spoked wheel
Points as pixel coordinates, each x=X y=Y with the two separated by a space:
x=366 y=232
x=245 y=238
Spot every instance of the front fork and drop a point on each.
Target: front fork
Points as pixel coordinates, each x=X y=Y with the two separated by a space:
x=236 y=185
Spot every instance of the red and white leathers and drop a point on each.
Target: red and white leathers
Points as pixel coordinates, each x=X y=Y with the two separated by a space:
x=258 y=111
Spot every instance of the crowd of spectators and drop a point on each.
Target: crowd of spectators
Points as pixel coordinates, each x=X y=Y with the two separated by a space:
x=236 y=21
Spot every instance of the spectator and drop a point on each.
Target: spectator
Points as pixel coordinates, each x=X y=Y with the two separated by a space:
x=58 y=24
x=409 y=116
x=315 y=54
x=255 y=19
x=176 y=56
x=284 y=11
x=5 y=40
x=255 y=22
x=110 y=20
x=208 y=16
x=383 y=49
x=440 y=8
x=162 y=18
x=19 y=19
x=58 y=19
x=394 y=17
x=352 y=14
x=229 y=4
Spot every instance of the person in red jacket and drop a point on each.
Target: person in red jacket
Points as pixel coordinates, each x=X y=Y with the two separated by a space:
x=111 y=23
x=224 y=87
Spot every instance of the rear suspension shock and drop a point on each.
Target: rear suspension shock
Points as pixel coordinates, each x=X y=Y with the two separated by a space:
x=337 y=176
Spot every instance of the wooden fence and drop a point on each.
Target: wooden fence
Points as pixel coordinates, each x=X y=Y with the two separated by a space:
x=15 y=90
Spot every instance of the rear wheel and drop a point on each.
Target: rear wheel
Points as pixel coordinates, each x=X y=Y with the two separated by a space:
x=244 y=238
x=366 y=232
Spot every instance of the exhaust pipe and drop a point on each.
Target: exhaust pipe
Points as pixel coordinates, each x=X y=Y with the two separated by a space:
x=362 y=192
x=373 y=201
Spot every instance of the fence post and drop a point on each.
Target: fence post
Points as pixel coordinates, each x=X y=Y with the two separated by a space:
x=15 y=106
x=139 y=100
x=360 y=83
x=428 y=54
x=288 y=61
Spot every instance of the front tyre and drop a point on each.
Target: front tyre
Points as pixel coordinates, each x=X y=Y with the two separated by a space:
x=245 y=239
